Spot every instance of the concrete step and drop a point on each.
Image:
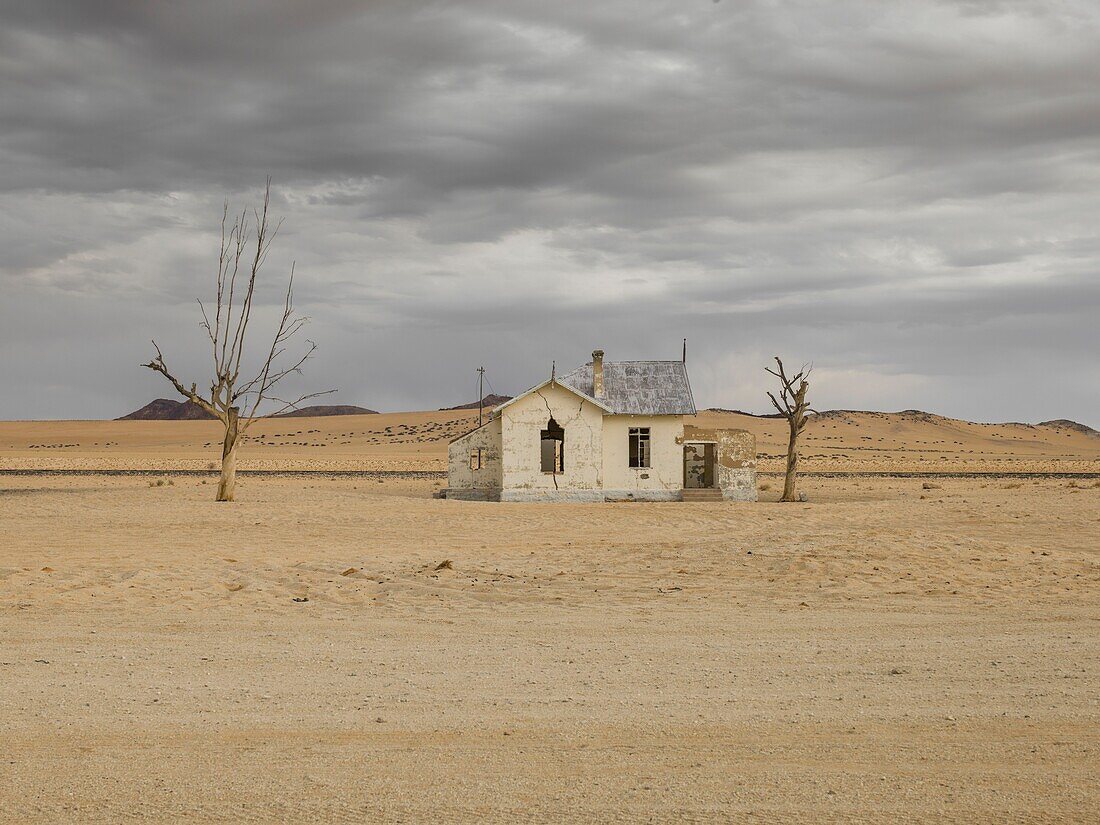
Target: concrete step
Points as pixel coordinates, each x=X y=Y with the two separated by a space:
x=703 y=494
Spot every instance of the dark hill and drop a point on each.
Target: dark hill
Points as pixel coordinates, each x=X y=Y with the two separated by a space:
x=742 y=412
x=165 y=409
x=318 y=410
x=488 y=402
x=1066 y=424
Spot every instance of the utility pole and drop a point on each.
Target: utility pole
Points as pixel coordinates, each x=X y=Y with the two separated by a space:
x=480 y=392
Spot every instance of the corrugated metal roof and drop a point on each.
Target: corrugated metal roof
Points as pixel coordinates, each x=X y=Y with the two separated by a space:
x=638 y=387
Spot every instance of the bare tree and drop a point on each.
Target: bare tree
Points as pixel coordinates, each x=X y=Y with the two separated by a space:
x=792 y=405
x=235 y=401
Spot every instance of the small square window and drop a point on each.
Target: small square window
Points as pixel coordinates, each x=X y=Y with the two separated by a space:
x=477 y=458
x=638 y=446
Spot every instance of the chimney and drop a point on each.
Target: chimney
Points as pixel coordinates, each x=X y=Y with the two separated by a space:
x=597 y=373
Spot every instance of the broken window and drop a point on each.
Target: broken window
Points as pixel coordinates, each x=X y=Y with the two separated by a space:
x=553 y=448
x=638 y=449
x=476 y=458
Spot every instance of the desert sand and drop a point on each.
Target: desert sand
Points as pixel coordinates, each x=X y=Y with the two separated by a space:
x=349 y=648
x=837 y=442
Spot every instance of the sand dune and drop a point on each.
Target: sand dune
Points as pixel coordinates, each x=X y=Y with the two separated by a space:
x=418 y=440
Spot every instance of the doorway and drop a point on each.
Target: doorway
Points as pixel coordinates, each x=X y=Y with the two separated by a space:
x=698 y=466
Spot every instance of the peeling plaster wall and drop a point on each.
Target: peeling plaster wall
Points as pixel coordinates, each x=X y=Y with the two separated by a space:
x=736 y=465
x=596 y=455
x=664 y=478
x=735 y=460
x=521 y=425
x=462 y=482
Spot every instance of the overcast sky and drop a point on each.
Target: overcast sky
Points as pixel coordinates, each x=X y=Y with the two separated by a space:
x=905 y=193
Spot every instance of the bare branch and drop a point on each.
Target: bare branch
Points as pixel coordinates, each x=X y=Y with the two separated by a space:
x=223 y=252
x=283 y=333
x=287 y=405
x=206 y=324
x=262 y=245
x=239 y=236
x=782 y=410
x=157 y=365
x=242 y=252
x=267 y=380
x=792 y=405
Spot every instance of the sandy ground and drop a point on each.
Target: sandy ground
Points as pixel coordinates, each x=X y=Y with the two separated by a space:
x=885 y=652
x=848 y=442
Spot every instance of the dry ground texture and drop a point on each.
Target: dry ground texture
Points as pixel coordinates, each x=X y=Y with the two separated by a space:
x=910 y=442
x=885 y=652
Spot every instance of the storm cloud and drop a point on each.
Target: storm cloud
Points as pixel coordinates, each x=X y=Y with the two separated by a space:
x=906 y=194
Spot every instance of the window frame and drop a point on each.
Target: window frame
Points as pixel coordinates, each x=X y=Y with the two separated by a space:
x=639 y=448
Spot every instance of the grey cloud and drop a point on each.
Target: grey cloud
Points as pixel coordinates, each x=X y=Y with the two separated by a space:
x=904 y=193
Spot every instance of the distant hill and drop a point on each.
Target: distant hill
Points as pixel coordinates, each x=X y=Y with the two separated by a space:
x=742 y=412
x=319 y=410
x=822 y=415
x=916 y=415
x=1066 y=424
x=165 y=409
x=488 y=402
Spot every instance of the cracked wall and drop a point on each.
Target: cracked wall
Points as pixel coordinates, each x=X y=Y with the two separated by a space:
x=597 y=453
x=521 y=425
x=485 y=483
x=735 y=460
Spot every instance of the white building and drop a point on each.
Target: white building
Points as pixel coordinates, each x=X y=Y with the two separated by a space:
x=614 y=430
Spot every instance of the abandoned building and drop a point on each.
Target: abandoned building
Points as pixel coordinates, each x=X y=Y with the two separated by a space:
x=607 y=431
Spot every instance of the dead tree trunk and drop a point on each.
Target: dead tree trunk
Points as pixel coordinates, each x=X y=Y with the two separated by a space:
x=793 y=406
x=790 y=479
x=228 y=482
x=232 y=400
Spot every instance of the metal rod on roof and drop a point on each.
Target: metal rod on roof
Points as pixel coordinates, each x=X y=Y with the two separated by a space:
x=480 y=392
x=685 y=359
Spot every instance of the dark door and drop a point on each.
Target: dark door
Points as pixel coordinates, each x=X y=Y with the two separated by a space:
x=698 y=466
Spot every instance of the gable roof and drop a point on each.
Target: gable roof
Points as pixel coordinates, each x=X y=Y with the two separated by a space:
x=575 y=390
x=638 y=387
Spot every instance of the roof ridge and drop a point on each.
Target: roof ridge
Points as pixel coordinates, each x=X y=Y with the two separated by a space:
x=553 y=380
x=632 y=361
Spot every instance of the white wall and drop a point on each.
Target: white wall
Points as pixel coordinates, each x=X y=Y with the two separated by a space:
x=521 y=425
x=666 y=471
x=459 y=474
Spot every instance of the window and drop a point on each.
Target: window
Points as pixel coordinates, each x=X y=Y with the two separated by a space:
x=553 y=448
x=477 y=458
x=638 y=449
